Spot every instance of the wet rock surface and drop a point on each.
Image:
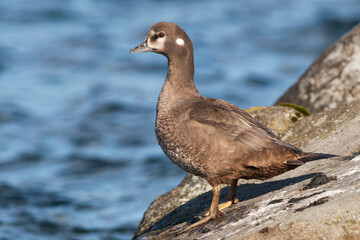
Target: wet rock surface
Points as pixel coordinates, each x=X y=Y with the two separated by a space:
x=333 y=79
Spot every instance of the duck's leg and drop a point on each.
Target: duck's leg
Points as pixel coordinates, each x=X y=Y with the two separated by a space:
x=231 y=197
x=214 y=211
x=232 y=193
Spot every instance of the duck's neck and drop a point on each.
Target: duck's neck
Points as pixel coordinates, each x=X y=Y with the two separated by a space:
x=179 y=84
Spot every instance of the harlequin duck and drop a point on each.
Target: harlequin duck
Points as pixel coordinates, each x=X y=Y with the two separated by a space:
x=208 y=137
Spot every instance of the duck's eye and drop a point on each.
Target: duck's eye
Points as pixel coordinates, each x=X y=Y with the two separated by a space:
x=161 y=34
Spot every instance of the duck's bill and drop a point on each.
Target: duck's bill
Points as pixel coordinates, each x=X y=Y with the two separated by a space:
x=141 y=48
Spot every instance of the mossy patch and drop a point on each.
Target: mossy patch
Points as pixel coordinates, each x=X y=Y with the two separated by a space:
x=299 y=108
x=294 y=119
x=256 y=108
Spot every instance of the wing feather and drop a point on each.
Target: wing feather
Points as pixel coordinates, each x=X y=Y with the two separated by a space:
x=231 y=140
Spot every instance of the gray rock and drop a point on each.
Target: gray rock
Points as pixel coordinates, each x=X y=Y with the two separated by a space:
x=333 y=79
x=336 y=131
x=326 y=212
x=190 y=187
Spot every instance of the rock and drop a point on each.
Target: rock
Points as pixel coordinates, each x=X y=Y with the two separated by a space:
x=190 y=187
x=277 y=118
x=318 y=180
x=334 y=216
x=333 y=79
x=336 y=131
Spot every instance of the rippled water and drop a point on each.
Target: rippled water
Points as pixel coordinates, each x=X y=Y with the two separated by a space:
x=78 y=155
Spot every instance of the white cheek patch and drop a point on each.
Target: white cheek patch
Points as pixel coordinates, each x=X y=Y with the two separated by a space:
x=180 y=41
x=158 y=44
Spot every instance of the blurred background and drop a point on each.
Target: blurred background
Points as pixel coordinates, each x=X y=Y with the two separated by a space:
x=78 y=154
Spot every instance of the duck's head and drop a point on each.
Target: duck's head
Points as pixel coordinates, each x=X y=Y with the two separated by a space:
x=167 y=39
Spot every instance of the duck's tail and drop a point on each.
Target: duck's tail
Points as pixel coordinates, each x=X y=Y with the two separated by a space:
x=316 y=156
x=308 y=157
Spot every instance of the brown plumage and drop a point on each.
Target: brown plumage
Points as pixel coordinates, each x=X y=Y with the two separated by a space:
x=208 y=137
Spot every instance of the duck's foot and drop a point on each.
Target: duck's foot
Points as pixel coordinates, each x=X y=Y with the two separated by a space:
x=214 y=211
x=225 y=205
x=228 y=203
x=204 y=220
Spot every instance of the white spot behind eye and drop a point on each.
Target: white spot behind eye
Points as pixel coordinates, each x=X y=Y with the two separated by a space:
x=179 y=41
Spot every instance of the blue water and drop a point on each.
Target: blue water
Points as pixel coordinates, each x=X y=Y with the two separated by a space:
x=78 y=154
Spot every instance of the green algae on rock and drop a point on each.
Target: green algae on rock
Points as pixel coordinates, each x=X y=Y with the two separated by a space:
x=301 y=109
